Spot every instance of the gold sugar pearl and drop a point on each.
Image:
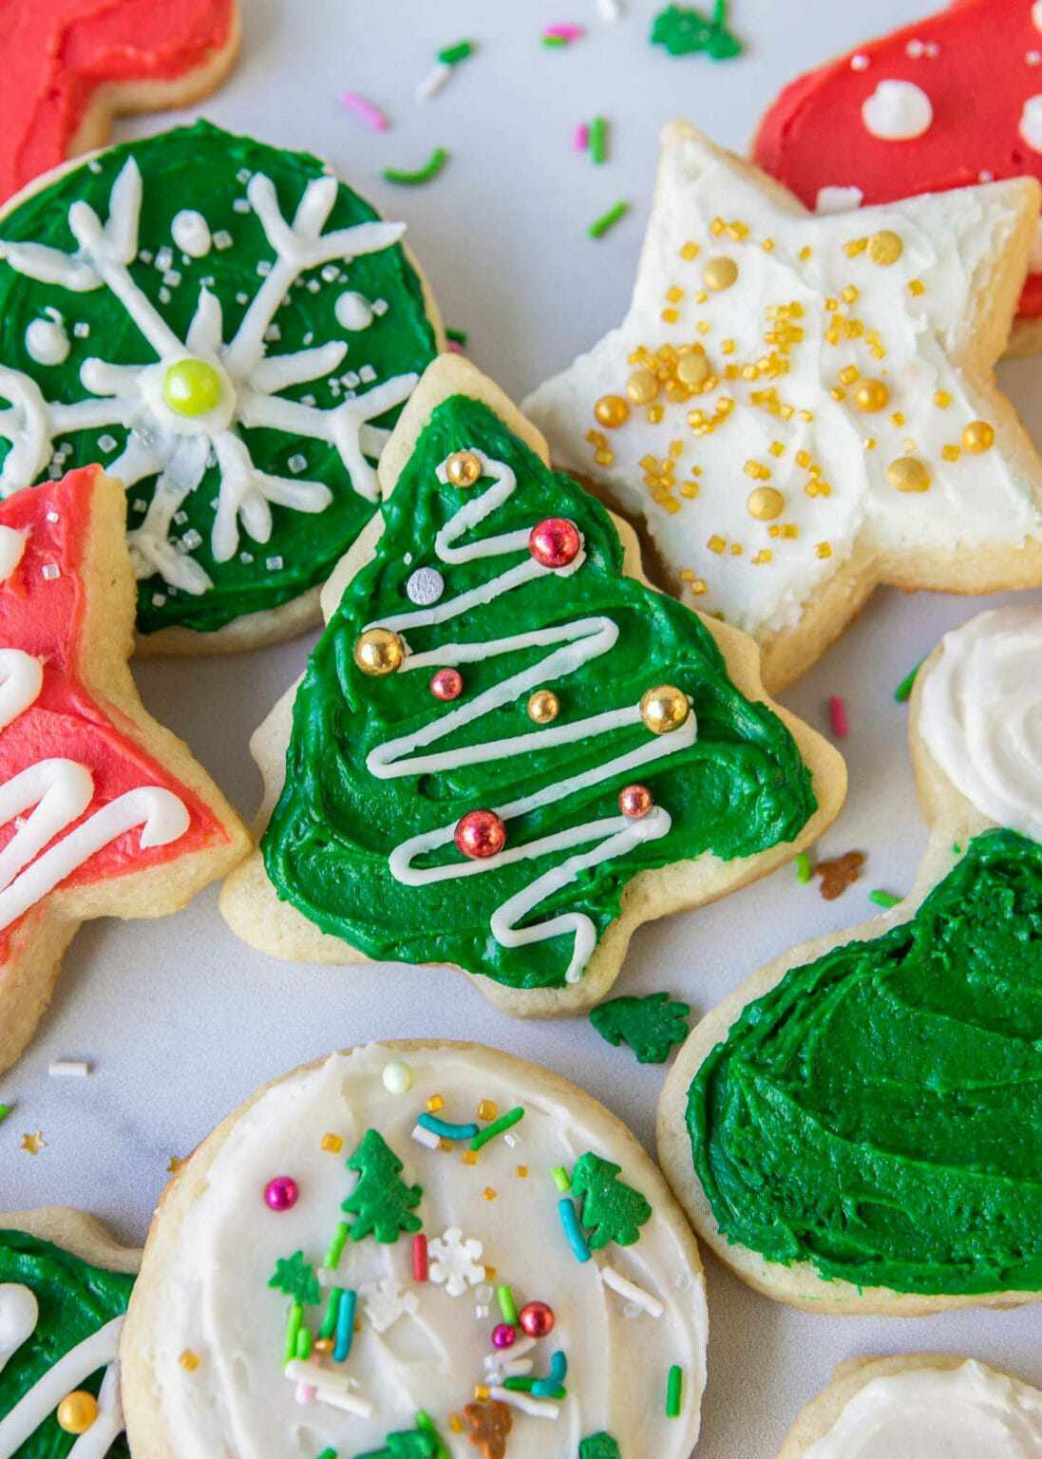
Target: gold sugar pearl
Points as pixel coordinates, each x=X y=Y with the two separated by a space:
x=693 y=369
x=885 y=247
x=872 y=395
x=664 y=709
x=765 y=503
x=978 y=436
x=720 y=273
x=642 y=387
x=378 y=652
x=908 y=473
x=463 y=468
x=77 y=1412
x=611 y=411
x=544 y=707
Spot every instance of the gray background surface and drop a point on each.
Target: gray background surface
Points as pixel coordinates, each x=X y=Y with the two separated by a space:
x=182 y=1021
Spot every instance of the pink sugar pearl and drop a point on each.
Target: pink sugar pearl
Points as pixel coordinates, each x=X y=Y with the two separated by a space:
x=282 y=1193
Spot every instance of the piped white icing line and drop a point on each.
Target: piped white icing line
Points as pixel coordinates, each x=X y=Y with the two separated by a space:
x=959 y=1413
x=19 y=1313
x=34 y=1407
x=46 y=340
x=215 y=1299
x=109 y=1423
x=949 y=243
x=56 y=792
x=12 y=548
x=981 y=715
x=572 y=645
x=177 y=448
x=838 y=199
x=191 y=232
x=897 y=111
x=1031 y=123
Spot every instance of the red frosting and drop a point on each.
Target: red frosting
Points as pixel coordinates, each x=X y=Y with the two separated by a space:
x=813 y=135
x=44 y=617
x=57 y=53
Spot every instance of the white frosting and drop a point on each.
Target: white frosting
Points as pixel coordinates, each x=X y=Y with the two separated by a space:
x=969 y=1412
x=353 y=311
x=46 y=340
x=572 y=645
x=838 y=199
x=215 y=1300
x=950 y=240
x=897 y=111
x=191 y=233
x=1031 y=123
x=981 y=715
x=1036 y=14
x=19 y=1313
x=12 y=547
x=176 y=448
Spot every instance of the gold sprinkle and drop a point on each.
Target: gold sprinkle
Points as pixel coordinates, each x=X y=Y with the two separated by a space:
x=489 y=1194
x=824 y=549
x=908 y=473
x=736 y=549
x=855 y=246
x=942 y=399
x=174 y=1164
x=487 y=1109
x=978 y=436
x=332 y=1144
x=32 y=1144
x=716 y=544
x=767 y=245
x=850 y=294
x=521 y=1172
x=763 y=556
x=669 y=316
x=849 y=375
x=480 y=1392
x=455 y=1423
x=698 y=587
x=727 y=346
x=434 y=1104
x=757 y=471
x=189 y=1360
x=916 y=287
x=804 y=254
x=674 y=295
x=655 y=414
x=642 y=387
x=897 y=419
x=871 y=396
x=777 y=448
x=720 y=273
x=704 y=326
x=870 y=443
x=765 y=503
x=717 y=226
x=689 y=250
x=950 y=453
x=470 y=1157
x=885 y=247
x=611 y=411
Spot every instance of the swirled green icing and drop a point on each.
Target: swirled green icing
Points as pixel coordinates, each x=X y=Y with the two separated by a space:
x=75 y=1300
x=204 y=169
x=877 y=1112
x=740 y=788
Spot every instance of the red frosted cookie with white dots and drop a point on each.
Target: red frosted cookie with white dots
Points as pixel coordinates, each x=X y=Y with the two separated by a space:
x=949 y=101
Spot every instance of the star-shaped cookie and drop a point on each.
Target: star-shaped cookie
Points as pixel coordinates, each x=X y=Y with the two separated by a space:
x=802 y=407
x=102 y=812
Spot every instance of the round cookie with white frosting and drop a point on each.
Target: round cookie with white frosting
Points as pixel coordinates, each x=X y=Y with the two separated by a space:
x=933 y=1405
x=64 y=1289
x=801 y=407
x=891 y=1166
x=406 y=1242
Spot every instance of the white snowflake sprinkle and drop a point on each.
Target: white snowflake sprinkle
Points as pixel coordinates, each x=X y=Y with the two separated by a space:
x=385 y=1301
x=455 y=1261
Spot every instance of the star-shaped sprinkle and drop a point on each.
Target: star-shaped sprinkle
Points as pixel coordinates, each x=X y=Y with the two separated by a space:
x=801 y=406
x=33 y=1143
x=174 y=1164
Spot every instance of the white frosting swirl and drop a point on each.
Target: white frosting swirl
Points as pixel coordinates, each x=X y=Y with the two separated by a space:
x=981 y=715
x=216 y=1301
x=967 y=1412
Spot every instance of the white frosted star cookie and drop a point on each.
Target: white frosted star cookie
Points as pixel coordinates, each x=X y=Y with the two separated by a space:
x=933 y=1405
x=802 y=407
x=856 y=1129
x=409 y=1242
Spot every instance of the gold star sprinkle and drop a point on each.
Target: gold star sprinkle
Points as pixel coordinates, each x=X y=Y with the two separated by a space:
x=34 y=1143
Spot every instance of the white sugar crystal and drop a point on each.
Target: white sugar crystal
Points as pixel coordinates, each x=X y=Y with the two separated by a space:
x=139 y=506
x=53 y=517
x=107 y=443
x=379 y=306
x=273 y=564
x=222 y=239
x=307 y=400
x=68 y=1069
x=241 y=205
x=158 y=599
x=264 y=267
x=313 y=286
x=273 y=334
x=164 y=259
x=145 y=255
x=180 y=518
x=242 y=298
x=81 y=329
x=367 y=374
x=246 y=558
x=50 y=571
x=191 y=540
x=298 y=463
x=243 y=176
x=309 y=338
x=330 y=272
x=94 y=166
x=172 y=277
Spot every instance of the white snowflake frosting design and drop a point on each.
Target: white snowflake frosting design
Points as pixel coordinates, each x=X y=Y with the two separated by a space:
x=209 y=400
x=455 y=1262
x=386 y=1300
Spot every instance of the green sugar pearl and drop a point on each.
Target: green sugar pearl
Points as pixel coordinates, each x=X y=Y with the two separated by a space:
x=191 y=387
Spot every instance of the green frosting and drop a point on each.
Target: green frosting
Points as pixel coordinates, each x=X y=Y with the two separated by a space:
x=739 y=789
x=75 y=1300
x=650 y=1026
x=877 y=1112
x=204 y=169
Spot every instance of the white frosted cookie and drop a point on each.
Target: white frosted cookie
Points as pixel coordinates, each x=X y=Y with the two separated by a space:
x=855 y=1129
x=801 y=407
x=385 y=1243
x=930 y=1405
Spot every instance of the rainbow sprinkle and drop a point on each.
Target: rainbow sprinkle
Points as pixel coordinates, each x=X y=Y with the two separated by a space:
x=345 y=1326
x=328 y=1327
x=446 y=1129
x=599 y=140
x=497 y=1127
x=561 y=1179
x=572 y=1229
x=562 y=35
x=884 y=899
x=365 y=110
x=427 y=173
x=607 y=221
x=903 y=692
x=507 y=1305
x=448 y=59
x=581 y=137
x=674 y=1391
x=336 y=1246
x=804 y=870
x=293 y=1322
x=838 y=717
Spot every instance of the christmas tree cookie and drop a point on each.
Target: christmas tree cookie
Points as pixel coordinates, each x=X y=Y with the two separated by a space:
x=892 y=120
x=415 y=1249
x=64 y=1289
x=856 y=1129
x=922 y=1404
x=230 y=331
x=801 y=408
x=650 y=1026
x=104 y=813
x=508 y=750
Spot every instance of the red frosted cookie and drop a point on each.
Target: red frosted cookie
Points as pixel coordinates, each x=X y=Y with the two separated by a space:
x=71 y=65
x=949 y=101
x=102 y=812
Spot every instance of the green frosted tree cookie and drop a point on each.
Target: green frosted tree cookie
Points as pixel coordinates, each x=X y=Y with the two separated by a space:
x=230 y=330
x=650 y=1026
x=381 y=1201
x=609 y=1209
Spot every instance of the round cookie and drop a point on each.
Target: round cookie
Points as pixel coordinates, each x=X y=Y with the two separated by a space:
x=230 y=331
x=64 y=1288
x=935 y=1405
x=383 y=1247
x=507 y=749
x=855 y=1129
x=952 y=99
